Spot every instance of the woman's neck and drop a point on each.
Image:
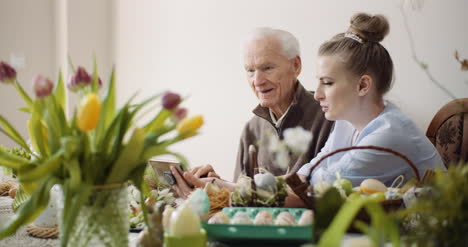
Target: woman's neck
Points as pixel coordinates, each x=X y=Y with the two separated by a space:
x=366 y=113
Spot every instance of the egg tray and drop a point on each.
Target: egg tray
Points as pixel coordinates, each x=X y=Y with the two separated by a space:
x=237 y=233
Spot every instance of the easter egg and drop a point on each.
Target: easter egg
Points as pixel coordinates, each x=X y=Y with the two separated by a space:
x=263 y=218
x=307 y=218
x=219 y=218
x=370 y=186
x=285 y=219
x=241 y=218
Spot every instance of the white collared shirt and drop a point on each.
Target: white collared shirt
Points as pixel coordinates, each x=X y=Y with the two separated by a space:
x=390 y=129
x=277 y=123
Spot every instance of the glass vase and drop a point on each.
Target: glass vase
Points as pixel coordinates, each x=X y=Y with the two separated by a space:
x=102 y=220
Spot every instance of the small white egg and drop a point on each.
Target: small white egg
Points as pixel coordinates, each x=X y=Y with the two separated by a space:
x=307 y=218
x=219 y=218
x=263 y=218
x=285 y=219
x=370 y=186
x=241 y=218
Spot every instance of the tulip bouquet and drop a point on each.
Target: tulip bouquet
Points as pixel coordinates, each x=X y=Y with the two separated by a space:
x=97 y=146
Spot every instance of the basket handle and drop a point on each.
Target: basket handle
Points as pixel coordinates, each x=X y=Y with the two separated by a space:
x=408 y=161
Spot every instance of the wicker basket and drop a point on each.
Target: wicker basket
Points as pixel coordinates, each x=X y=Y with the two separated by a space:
x=301 y=188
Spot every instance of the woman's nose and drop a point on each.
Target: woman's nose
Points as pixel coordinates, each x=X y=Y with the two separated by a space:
x=318 y=95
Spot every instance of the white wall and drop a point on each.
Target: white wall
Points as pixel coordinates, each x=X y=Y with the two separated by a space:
x=43 y=34
x=193 y=47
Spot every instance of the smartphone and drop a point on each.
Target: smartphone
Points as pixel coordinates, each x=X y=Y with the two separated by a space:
x=162 y=169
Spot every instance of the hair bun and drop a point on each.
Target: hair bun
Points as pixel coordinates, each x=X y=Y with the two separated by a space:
x=372 y=28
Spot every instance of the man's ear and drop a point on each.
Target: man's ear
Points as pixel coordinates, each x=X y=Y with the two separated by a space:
x=297 y=65
x=365 y=85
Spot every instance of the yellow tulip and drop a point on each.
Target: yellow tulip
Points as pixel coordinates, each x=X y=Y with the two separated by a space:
x=88 y=116
x=189 y=126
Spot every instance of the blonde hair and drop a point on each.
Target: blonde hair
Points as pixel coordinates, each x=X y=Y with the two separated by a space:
x=361 y=51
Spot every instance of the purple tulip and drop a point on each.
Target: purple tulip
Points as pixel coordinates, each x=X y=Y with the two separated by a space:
x=180 y=114
x=42 y=86
x=7 y=73
x=79 y=79
x=170 y=100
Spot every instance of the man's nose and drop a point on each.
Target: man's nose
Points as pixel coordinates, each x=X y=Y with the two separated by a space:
x=258 y=78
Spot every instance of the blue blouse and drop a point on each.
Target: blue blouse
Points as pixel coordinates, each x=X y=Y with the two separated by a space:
x=390 y=129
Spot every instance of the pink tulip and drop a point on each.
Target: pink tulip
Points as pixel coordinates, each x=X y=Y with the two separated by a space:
x=170 y=100
x=42 y=86
x=180 y=114
x=79 y=79
x=7 y=73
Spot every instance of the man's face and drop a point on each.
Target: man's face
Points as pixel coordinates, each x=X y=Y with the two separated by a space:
x=271 y=75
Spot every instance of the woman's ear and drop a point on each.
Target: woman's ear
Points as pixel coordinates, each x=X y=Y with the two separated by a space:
x=365 y=85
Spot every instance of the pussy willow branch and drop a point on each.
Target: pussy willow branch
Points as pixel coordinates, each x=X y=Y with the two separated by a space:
x=421 y=64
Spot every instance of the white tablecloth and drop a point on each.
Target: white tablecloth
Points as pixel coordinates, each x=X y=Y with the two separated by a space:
x=22 y=239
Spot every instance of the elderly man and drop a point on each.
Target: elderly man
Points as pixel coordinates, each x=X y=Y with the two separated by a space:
x=272 y=63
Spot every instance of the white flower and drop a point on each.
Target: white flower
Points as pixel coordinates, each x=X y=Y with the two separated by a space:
x=275 y=144
x=297 y=139
x=282 y=159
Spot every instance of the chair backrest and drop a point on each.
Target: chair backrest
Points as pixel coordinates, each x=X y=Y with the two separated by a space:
x=448 y=131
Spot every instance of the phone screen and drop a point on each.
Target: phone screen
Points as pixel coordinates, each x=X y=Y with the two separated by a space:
x=163 y=171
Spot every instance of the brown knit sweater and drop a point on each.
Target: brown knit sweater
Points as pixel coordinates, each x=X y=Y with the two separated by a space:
x=305 y=111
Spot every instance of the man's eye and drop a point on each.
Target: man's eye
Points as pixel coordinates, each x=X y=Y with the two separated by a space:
x=268 y=68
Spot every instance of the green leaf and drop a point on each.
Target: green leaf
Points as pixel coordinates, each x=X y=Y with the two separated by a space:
x=335 y=232
x=157 y=121
x=25 y=109
x=59 y=92
x=20 y=197
x=23 y=95
x=107 y=110
x=30 y=209
x=95 y=83
x=10 y=131
x=48 y=167
x=11 y=160
x=72 y=204
x=37 y=130
x=128 y=159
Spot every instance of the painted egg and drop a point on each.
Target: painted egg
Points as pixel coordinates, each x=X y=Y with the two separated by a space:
x=285 y=219
x=168 y=210
x=219 y=218
x=265 y=181
x=370 y=186
x=307 y=218
x=241 y=218
x=263 y=218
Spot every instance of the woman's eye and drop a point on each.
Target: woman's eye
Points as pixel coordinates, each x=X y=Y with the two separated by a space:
x=327 y=83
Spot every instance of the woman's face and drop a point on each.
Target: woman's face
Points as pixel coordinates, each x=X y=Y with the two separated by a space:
x=337 y=89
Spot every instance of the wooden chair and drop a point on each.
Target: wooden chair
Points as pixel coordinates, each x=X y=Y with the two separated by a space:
x=448 y=131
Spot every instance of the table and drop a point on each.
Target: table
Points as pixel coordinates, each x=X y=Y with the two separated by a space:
x=23 y=239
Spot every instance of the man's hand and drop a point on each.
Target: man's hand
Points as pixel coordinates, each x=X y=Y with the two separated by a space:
x=182 y=188
x=204 y=171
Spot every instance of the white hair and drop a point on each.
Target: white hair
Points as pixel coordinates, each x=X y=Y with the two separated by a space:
x=287 y=41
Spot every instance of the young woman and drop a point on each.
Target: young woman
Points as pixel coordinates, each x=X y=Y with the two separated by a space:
x=354 y=72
